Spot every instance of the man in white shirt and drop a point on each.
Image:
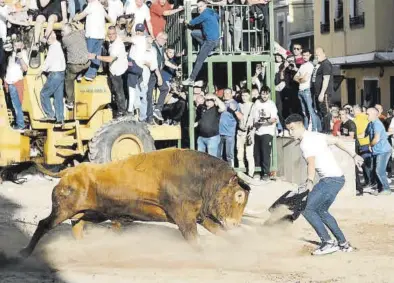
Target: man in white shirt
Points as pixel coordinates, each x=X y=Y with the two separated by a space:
x=303 y=77
x=115 y=9
x=141 y=14
x=118 y=66
x=150 y=68
x=137 y=55
x=95 y=32
x=263 y=121
x=17 y=65
x=55 y=66
x=315 y=149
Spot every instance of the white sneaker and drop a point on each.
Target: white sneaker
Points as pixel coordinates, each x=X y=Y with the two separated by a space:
x=327 y=248
x=346 y=247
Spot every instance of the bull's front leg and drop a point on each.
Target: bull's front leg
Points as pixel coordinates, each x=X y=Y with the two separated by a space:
x=184 y=214
x=213 y=227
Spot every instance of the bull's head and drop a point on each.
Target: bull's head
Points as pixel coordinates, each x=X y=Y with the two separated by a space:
x=229 y=203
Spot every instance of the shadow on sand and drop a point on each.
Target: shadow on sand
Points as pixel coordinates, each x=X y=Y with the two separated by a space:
x=14 y=268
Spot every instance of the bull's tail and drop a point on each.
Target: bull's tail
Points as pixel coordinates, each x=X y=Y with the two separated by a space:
x=45 y=171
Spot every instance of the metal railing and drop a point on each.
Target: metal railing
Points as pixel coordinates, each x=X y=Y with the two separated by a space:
x=324 y=28
x=338 y=24
x=357 y=21
x=242 y=30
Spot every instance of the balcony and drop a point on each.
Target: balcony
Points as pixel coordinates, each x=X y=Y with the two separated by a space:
x=324 y=28
x=338 y=24
x=357 y=21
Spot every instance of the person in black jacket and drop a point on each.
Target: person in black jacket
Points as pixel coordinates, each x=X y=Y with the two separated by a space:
x=208 y=124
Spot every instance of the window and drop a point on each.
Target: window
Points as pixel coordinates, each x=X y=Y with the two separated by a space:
x=371 y=94
x=281 y=33
x=351 y=91
x=357 y=14
x=325 y=17
x=338 y=21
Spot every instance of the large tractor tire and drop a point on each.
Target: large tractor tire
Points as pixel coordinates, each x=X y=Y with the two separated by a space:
x=119 y=139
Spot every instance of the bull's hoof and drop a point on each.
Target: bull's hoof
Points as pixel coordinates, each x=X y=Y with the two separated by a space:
x=26 y=252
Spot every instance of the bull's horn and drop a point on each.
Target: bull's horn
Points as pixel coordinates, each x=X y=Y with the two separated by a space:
x=245 y=180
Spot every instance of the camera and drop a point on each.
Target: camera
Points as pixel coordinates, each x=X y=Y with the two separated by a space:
x=148 y=3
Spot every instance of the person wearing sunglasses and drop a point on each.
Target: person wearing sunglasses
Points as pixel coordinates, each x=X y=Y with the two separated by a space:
x=297 y=52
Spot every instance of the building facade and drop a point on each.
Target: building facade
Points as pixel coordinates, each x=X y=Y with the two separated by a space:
x=294 y=22
x=358 y=37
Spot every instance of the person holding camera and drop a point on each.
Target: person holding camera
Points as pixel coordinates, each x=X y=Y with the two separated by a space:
x=263 y=127
x=16 y=67
x=141 y=14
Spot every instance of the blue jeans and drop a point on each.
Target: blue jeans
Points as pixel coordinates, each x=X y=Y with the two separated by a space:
x=53 y=86
x=207 y=46
x=16 y=103
x=381 y=161
x=305 y=98
x=94 y=46
x=316 y=210
x=209 y=144
x=141 y=94
x=229 y=142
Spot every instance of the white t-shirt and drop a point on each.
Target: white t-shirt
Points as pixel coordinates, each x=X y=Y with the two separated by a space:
x=95 y=20
x=138 y=49
x=118 y=50
x=306 y=68
x=14 y=71
x=141 y=14
x=4 y=13
x=264 y=110
x=315 y=144
x=151 y=57
x=55 y=60
x=115 y=9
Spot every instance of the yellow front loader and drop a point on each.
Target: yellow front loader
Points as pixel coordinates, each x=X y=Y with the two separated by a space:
x=89 y=130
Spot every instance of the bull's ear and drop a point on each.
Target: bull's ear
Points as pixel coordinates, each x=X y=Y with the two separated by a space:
x=233 y=180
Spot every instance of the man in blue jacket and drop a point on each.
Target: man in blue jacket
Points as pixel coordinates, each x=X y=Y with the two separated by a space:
x=208 y=37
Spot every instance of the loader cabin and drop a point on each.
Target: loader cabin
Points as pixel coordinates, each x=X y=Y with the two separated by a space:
x=46 y=142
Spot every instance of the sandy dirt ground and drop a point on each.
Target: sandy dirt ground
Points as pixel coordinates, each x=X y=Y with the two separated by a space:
x=156 y=252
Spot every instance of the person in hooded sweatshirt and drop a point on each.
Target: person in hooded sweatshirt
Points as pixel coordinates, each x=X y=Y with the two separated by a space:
x=207 y=37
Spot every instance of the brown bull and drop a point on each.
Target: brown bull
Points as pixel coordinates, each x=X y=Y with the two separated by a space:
x=183 y=187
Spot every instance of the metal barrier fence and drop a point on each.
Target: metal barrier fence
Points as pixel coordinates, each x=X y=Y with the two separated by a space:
x=242 y=29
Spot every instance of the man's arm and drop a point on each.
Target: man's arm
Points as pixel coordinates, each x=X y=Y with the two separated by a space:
x=64 y=11
x=218 y=102
x=326 y=80
x=159 y=77
x=172 y=12
x=107 y=59
x=150 y=28
x=311 y=169
x=375 y=140
x=80 y=16
x=331 y=140
x=198 y=20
